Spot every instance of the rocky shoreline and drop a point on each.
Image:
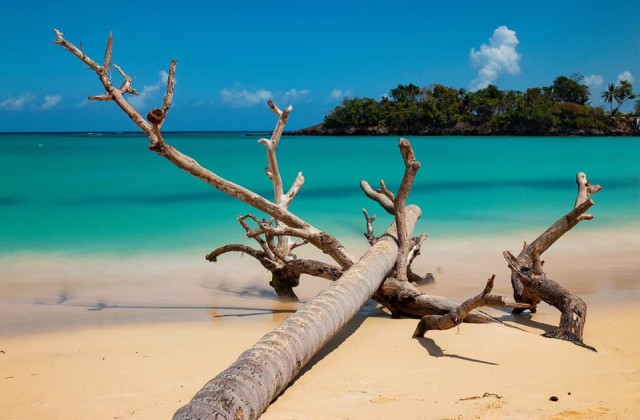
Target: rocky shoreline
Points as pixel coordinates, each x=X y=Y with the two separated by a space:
x=463 y=129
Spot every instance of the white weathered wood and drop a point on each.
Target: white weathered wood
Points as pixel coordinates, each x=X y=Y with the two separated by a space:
x=404 y=238
x=273 y=172
x=323 y=241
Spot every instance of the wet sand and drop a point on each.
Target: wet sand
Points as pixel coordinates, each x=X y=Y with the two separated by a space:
x=137 y=336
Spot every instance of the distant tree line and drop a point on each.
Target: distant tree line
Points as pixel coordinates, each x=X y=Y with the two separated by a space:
x=562 y=108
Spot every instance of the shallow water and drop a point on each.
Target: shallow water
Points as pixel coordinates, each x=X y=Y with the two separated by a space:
x=94 y=193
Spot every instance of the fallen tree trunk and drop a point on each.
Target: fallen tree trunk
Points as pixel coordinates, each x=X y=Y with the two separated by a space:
x=246 y=388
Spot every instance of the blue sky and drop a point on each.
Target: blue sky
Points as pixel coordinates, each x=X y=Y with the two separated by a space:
x=234 y=55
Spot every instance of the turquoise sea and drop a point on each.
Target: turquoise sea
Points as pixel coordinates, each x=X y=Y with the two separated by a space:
x=105 y=192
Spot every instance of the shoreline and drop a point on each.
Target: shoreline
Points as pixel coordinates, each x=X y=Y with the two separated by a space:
x=468 y=130
x=49 y=291
x=136 y=337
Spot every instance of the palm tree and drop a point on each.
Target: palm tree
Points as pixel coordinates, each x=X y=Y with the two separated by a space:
x=624 y=93
x=610 y=95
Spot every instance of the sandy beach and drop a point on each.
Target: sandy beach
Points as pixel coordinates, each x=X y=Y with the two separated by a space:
x=136 y=336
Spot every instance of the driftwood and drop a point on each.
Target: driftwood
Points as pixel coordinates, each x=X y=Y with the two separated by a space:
x=397 y=293
x=274 y=235
x=384 y=273
x=247 y=387
x=457 y=316
x=530 y=283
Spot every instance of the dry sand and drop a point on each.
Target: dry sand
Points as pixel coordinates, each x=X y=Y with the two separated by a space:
x=136 y=337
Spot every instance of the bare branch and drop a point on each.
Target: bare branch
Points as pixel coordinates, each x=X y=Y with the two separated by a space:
x=271 y=145
x=411 y=168
x=293 y=191
x=108 y=52
x=103 y=97
x=77 y=52
x=585 y=189
x=559 y=228
x=168 y=96
x=380 y=198
x=369 y=233
x=535 y=249
x=258 y=255
x=126 y=85
x=112 y=93
x=457 y=316
x=273 y=171
x=258 y=238
x=283 y=117
x=383 y=190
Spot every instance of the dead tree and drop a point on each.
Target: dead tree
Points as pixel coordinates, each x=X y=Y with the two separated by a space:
x=397 y=293
x=260 y=374
x=273 y=234
x=530 y=283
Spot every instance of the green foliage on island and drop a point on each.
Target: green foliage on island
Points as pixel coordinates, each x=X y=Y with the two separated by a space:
x=560 y=109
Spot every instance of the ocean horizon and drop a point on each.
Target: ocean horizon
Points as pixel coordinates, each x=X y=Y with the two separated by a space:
x=105 y=192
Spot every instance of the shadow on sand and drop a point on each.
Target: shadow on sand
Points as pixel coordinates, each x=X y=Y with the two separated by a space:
x=436 y=351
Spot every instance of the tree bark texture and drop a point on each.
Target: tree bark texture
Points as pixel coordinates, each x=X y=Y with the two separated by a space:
x=540 y=288
x=246 y=388
x=530 y=283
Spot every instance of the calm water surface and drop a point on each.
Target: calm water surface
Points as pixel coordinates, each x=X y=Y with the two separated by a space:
x=88 y=193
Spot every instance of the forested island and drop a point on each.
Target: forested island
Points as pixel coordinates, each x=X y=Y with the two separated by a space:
x=560 y=109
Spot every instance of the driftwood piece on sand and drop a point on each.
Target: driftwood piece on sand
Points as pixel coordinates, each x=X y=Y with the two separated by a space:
x=530 y=283
x=458 y=315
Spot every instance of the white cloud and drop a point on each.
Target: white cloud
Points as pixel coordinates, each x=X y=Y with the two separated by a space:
x=339 y=94
x=17 y=103
x=295 y=94
x=243 y=98
x=497 y=58
x=626 y=75
x=148 y=91
x=50 y=101
x=595 y=81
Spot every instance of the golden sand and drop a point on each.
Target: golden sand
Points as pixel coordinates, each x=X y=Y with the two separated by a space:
x=136 y=337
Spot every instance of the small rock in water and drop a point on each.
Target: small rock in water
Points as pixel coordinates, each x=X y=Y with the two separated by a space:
x=553 y=398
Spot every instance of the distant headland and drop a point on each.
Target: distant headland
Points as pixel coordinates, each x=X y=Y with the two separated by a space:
x=561 y=109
